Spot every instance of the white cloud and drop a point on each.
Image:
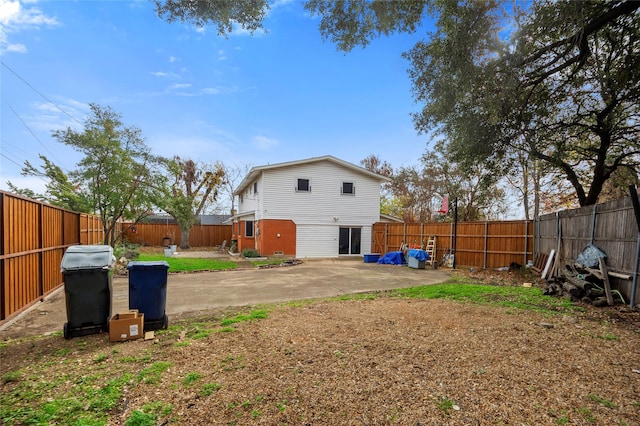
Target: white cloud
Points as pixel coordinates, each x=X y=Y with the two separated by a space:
x=172 y=59
x=264 y=143
x=47 y=116
x=219 y=90
x=14 y=18
x=237 y=30
x=178 y=86
x=17 y=48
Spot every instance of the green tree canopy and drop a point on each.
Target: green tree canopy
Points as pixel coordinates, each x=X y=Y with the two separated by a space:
x=117 y=172
x=193 y=187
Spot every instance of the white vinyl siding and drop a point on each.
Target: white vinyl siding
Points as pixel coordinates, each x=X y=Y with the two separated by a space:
x=324 y=204
x=251 y=200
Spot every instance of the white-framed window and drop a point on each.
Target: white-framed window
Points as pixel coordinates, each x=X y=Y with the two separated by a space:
x=255 y=187
x=303 y=185
x=348 y=188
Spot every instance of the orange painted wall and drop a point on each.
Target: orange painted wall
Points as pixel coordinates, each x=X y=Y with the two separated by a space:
x=276 y=236
x=239 y=234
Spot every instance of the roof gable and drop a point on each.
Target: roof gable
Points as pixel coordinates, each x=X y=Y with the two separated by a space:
x=255 y=172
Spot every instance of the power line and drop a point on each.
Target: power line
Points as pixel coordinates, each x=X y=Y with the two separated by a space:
x=40 y=93
x=36 y=137
x=19 y=165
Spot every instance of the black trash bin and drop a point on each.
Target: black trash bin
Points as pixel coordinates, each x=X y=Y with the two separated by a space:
x=148 y=292
x=88 y=274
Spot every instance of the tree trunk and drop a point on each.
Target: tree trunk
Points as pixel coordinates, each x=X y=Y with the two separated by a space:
x=184 y=237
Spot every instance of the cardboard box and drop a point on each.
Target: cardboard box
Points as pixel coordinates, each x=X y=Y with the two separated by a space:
x=126 y=326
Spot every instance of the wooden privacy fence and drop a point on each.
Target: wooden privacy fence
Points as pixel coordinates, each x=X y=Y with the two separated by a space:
x=34 y=238
x=154 y=234
x=611 y=227
x=477 y=244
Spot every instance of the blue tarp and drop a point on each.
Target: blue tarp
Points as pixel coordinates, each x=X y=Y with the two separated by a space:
x=392 y=258
x=418 y=254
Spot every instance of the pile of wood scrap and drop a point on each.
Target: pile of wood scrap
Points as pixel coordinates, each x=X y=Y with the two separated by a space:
x=585 y=284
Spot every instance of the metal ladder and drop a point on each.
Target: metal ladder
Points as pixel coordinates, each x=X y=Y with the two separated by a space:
x=431 y=250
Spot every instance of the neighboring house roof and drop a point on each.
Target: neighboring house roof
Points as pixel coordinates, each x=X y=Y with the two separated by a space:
x=203 y=219
x=255 y=172
x=214 y=219
x=388 y=218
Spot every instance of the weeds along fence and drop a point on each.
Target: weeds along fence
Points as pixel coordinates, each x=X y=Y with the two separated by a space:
x=490 y=244
x=611 y=227
x=34 y=238
x=160 y=234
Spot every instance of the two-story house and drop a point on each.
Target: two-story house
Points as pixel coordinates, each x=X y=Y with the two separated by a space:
x=318 y=207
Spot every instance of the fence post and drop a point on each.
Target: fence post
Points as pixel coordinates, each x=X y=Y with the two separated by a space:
x=593 y=223
x=526 y=241
x=386 y=238
x=486 y=233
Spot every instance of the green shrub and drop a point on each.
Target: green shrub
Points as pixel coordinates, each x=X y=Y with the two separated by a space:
x=250 y=253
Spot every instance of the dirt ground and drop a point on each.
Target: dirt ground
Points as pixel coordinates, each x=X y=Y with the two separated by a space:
x=378 y=361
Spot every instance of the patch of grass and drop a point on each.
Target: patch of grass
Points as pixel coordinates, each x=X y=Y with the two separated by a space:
x=444 y=404
x=227 y=329
x=609 y=336
x=601 y=400
x=232 y=363
x=281 y=406
x=11 y=376
x=140 y=418
x=100 y=358
x=186 y=264
x=587 y=413
x=151 y=375
x=209 y=388
x=133 y=359
x=62 y=352
x=253 y=315
x=191 y=378
x=41 y=402
x=357 y=296
x=526 y=298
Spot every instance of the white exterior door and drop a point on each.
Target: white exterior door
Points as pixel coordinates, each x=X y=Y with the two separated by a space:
x=316 y=241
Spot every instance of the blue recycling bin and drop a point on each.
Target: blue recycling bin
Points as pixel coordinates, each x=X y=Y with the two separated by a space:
x=148 y=292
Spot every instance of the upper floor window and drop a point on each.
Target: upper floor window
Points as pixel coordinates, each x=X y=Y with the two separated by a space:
x=348 y=188
x=255 y=187
x=304 y=185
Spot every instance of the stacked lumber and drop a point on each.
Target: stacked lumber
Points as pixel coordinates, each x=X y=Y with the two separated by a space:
x=584 y=284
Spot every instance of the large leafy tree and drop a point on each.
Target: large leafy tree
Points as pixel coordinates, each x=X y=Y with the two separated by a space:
x=556 y=83
x=194 y=186
x=563 y=90
x=117 y=172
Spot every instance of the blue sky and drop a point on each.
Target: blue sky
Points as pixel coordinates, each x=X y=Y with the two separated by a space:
x=245 y=100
